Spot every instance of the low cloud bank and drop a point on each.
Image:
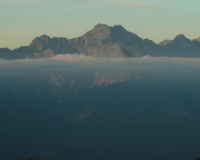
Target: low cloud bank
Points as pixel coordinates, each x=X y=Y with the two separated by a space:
x=146 y=61
x=81 y=63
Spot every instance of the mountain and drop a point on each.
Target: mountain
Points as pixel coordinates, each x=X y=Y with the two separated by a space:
x=152 y=49
x=44 y=46
x=165 y=42
x=115 y=41
x=5 y=53
x=198 y=39
x=182 y=47
x=104 y=41
x=196 y=43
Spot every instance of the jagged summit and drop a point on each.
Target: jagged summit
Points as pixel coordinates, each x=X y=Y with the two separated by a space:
x=107 y=41
x=182 y=47
x=42 y=38
x=105 y=32
x=180 y=36
x=99 y=25
x=100 y=31
x=45 y=38
x=118 y=26
x=40 y=43
x=112 y=34
x=5 y=48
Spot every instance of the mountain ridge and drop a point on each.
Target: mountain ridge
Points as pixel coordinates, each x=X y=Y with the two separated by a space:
x=104 y=41
x=165 y=42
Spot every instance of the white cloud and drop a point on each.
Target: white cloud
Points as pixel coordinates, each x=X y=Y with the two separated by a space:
x=149 y=66
x=157 y=63
x=73 y=58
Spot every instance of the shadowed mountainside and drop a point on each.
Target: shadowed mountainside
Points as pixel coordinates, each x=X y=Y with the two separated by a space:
x=182 y=47
x=102 y=115
x=104 y=41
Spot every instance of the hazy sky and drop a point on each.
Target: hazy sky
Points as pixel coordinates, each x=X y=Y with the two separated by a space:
x=23 y=20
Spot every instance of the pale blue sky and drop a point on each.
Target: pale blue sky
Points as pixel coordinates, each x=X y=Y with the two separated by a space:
x=23 y=20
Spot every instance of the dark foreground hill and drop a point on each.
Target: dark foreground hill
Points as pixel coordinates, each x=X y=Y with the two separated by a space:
x=105 y=41
x=66 y=111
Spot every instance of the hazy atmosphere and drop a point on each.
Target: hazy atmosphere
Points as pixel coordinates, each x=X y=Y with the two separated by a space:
x=99 y=80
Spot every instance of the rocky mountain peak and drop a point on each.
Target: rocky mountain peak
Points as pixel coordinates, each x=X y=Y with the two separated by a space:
x=45 y=38
x=197 y=39
x=42 y=39
x=118 y=27
x=165 y=42
x=182 y=47
x=107 y=33
x=181 y=37
x=100 y=32
x=40 y=43
x=101 y=26
x=5 y=50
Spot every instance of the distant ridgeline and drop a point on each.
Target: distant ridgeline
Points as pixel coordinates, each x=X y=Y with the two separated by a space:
x=105 y=41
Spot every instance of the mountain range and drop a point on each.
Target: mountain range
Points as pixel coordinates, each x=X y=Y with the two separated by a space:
x=105 y=41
